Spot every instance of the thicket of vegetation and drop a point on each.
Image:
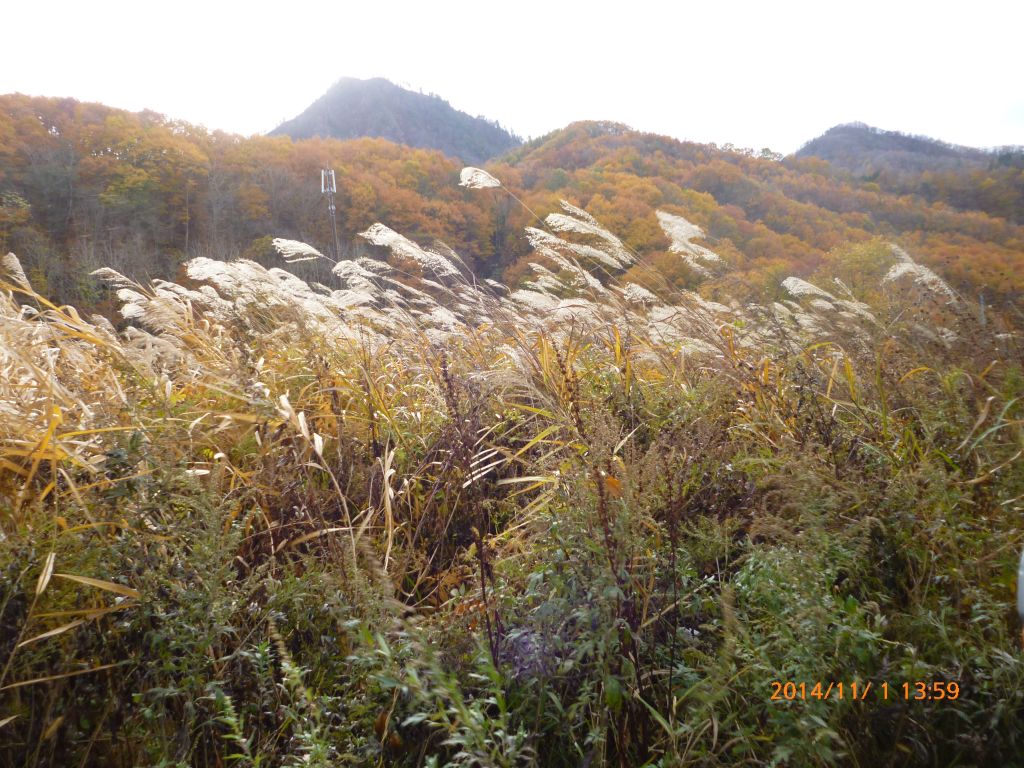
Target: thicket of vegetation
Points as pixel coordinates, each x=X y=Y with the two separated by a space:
x=420 y=519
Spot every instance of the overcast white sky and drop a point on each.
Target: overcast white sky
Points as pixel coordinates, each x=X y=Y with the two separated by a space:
x=755 y=74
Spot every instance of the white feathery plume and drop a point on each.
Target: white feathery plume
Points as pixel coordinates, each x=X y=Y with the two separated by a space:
x=476 y=178
x=545 y=284
x=356 y=276
x=541 y=302
x=576 y=309
x=294 y=251
x=579 y=213
x=901 y=255
x=799 y=288
x=11 y=268
x=449 y=253
x=378 y=234
x=681 y=232
x=112 y=277
x=922 y=276
x=347 y=299
x=582 y=223
x=548 y=282
x=105 y=326
x=637 y=294
x=709 y=307
x=375 y=266
x=858 y=309
x=549 y=246
x=443 y=318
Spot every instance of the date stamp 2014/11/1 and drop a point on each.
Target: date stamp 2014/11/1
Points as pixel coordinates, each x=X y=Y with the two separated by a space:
x=863 y=691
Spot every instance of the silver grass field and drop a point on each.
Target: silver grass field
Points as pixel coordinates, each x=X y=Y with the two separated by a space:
x=416 y=518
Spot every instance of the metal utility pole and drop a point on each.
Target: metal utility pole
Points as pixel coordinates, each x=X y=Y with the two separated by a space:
x=329 y=187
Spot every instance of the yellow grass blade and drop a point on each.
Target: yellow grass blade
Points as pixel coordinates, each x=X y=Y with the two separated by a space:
x=540 y=479
x=47 y=572
x=540 y=436
x=79 y=432
x=914 y=372
x=110 y=483
x=12 y=467
x=88 y=613
x=53 y=632
x=109 y=586
x=51 y=729
x=310 y=536
x=51 y=678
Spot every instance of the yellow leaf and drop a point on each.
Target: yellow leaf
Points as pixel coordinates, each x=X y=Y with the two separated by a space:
x=614 y=486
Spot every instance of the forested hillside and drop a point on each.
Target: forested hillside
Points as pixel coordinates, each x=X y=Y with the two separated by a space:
x=964 y=177
x=85 y=186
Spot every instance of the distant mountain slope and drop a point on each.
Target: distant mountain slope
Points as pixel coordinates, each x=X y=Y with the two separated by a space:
x=989 y=180
x=378 y=108
x=864 y=150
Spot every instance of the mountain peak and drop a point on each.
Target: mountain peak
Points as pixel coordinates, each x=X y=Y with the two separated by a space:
x=354 y=108
x=864 y=149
